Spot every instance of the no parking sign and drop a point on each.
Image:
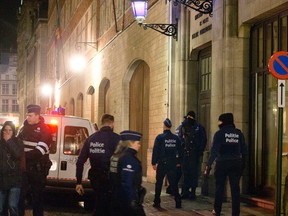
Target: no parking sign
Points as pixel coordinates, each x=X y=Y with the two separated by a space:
x=278 y=67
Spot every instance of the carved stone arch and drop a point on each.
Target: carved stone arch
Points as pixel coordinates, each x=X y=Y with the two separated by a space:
x=71 y=109
x=80 y=105
x=103 y=102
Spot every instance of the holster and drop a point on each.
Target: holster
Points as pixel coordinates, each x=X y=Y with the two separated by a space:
x=141 y=194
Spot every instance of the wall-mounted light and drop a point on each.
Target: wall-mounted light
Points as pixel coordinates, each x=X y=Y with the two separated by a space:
x=202 y=6
x=91 y=44
x=140 y=12
x=140 y=8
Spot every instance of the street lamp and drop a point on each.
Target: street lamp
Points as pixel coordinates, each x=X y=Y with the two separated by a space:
x=47 y=91
x=140 y=12
x=77 y=63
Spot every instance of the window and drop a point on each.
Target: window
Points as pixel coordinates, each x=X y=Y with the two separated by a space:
x=205 y=64
x=14 y=89
x=5 y=105
x=74 y=138
x=15 y=106
x=53 y=130
x=267 y=38
x=5 y=89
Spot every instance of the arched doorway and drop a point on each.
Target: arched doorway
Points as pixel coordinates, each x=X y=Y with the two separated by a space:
x=79 y=110
x=139 y=88
x=103 y=103
x=72 y=107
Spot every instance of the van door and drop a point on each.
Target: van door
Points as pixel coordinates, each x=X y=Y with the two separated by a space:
x=74 y=132
x=54 y=123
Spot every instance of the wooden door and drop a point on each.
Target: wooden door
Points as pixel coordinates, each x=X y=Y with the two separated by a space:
x=139 y=108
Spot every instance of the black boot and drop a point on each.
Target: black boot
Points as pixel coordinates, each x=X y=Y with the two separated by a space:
x=193 y=194
x=178 y=203
x=157 y=203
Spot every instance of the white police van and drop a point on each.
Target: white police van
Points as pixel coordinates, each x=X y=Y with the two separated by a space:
x=68 y=136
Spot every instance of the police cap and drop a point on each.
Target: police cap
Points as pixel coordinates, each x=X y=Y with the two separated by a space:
x=130 y=135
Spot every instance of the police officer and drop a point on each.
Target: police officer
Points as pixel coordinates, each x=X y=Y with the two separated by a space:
x=194 y=141
x=126 y=174
x=36 y=137
x=99 y=147
x=166 y=157
x=229 y=150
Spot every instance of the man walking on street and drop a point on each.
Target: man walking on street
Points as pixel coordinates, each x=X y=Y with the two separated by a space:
x=36 y=137
x=194 y=139
x=166 y=157
x=99 y=148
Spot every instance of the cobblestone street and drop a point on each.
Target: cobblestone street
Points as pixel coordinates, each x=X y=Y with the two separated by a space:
x=65 y=206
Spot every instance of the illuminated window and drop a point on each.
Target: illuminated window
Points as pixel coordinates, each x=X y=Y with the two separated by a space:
x=74 y=138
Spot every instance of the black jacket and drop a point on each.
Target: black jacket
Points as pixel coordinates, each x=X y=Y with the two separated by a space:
x=37 y=141
x=228 y=144
x=99 y=148
x=167 y=148
x=11 y=153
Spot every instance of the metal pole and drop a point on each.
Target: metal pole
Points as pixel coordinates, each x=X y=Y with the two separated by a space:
x=279 y=161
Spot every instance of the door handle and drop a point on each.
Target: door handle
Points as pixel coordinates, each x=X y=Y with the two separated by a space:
x=63 y=165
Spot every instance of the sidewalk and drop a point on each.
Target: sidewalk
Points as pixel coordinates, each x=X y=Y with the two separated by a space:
x=201 y=206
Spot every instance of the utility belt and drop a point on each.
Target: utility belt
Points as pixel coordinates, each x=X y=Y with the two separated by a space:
x=189 y=151
x=167 y=161
x=39 y=167
x=98 y=175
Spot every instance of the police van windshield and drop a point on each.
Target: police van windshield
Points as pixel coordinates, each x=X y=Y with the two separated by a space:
x=74 y=138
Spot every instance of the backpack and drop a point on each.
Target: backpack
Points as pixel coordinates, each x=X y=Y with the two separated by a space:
x=189 y=144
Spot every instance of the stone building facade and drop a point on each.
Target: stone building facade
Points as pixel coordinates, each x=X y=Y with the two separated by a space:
x=32 y=55
x=217 y=64
x=9 y=108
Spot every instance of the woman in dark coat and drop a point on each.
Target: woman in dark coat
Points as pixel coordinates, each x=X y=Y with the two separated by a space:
x=11 y=153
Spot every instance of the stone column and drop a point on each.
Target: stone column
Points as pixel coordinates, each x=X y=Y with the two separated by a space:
x=230 y=65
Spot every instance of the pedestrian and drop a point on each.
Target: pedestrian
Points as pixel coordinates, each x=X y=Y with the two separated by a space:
x=11 y=153
x=99 y=148
x=194 y=139
x=178 y=132
x=166 y=157
x=37 y=139
x=229 y=150
x=126 y=174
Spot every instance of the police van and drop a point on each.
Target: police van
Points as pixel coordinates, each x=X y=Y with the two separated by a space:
x=68 y=136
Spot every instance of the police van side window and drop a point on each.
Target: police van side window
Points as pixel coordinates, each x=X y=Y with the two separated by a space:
x=53 y=130
x=74 y=138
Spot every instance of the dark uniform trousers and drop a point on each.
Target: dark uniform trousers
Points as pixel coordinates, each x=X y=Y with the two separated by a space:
x=169 y=169
x=33 y=181
x=100 y=183
x=233 y=170
x=190 y=173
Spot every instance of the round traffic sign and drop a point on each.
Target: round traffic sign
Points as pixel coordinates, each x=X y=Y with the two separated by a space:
x=278 y=65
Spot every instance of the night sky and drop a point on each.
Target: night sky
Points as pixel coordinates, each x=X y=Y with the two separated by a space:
x=8 y=23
